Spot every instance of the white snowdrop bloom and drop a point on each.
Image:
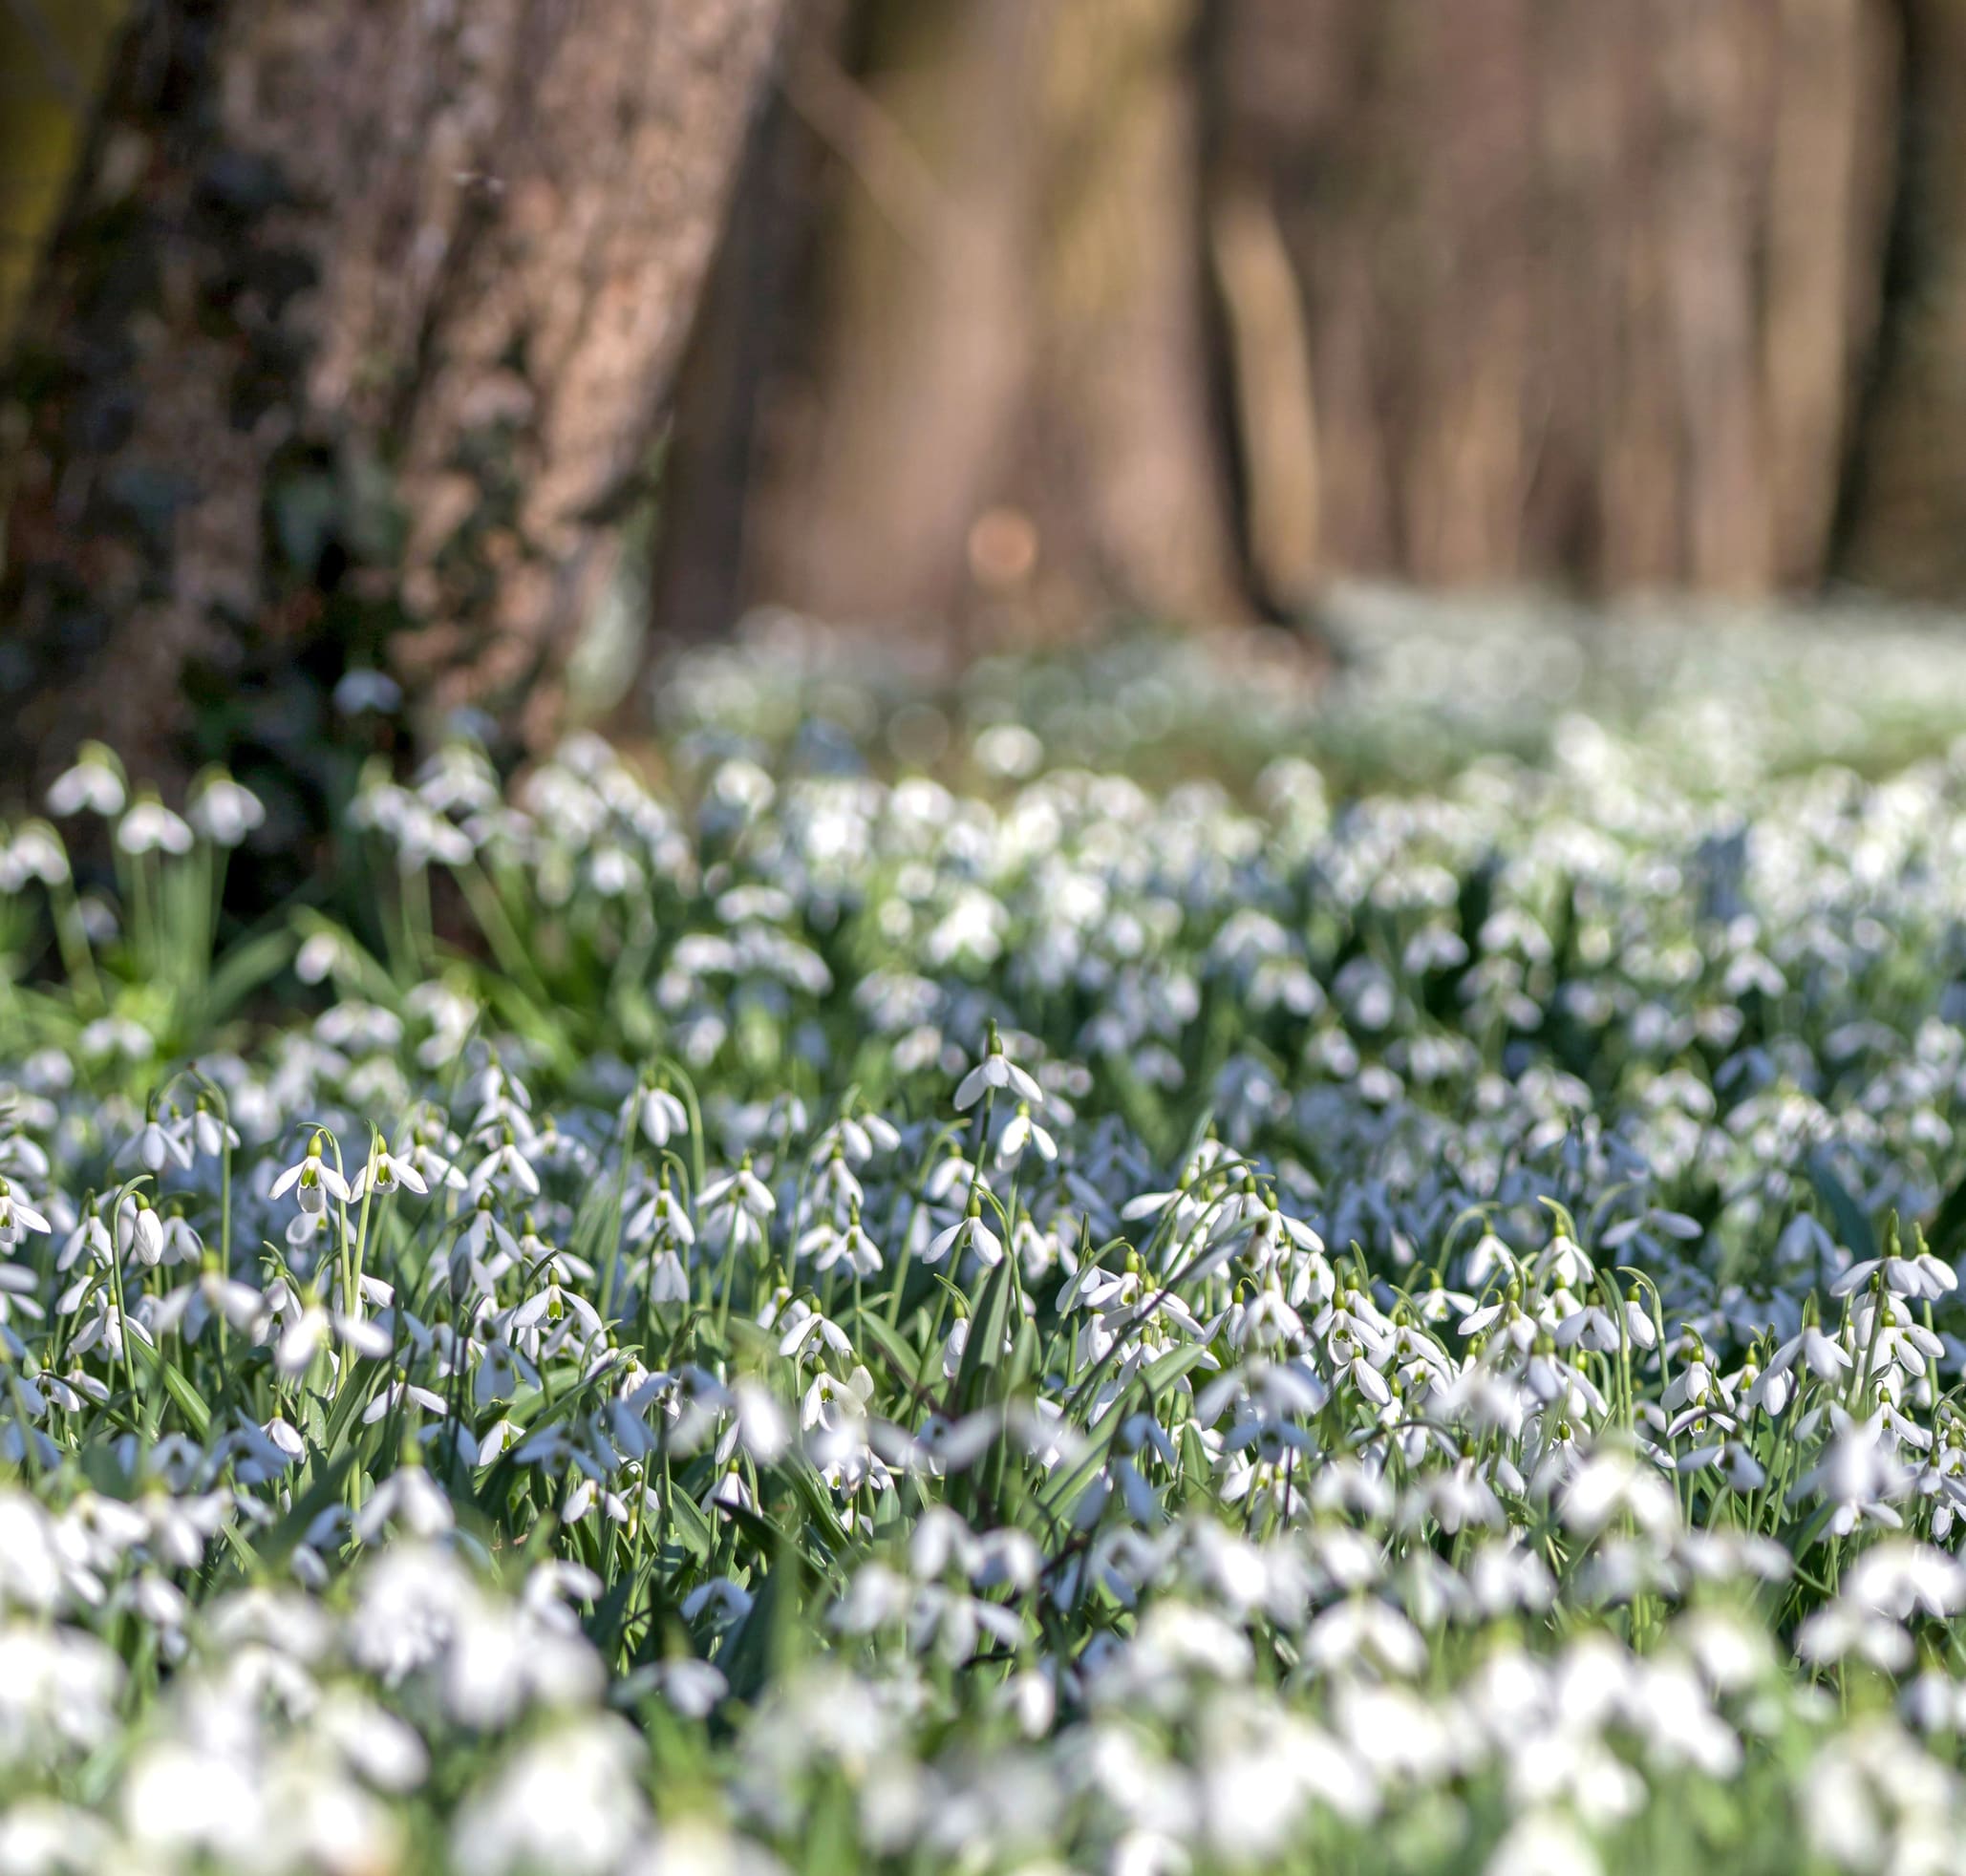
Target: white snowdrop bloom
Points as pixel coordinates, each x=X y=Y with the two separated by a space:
x=34 y=853
x=34 y=1567
x=211 y=1135
x=17 y=1218
x=757 y=1427
x=505 y=1167
x=1365 y=1632
x=1902 y=1578
x=662 y=1116
x=180 y=1800
x=997 y=1070
x=408 y=1498
x=140 y=1233
x=383 y=1173
x=57 y=1692
x=662 y=1214
x=1612 y=1483
x=500 y=1370
x=691 y=1686
x=315 y=1327
x=1821 y=1354
x=158 y=1144
x=1544 y=1844
x=93 y=785
x=311 y=1179
x=1858 y=1475
x=811 y=1326
x=969 y=1233
x=321 y=954
x=743 y=1200
x=151 y=827
x=1020 y=1134
x=827 y=1247
x=861 y=1138
x=1863 y=1786
x=42 y=1837
x=223 y=810
x=1923 y=1275
x=1845 y=1629
x=207 y=1296
x=700 y=1847
x=724 y=1601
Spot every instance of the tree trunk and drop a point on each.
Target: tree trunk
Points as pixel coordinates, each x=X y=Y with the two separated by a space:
x=1005 y=416
x=1906 y=519
x=1584 y=287
x=362 y=335
x=51 y=57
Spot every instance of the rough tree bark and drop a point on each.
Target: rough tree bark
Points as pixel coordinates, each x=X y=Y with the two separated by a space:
x=368 y=308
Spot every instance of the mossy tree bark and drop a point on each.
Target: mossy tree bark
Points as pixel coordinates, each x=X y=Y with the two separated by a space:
x=362 y=328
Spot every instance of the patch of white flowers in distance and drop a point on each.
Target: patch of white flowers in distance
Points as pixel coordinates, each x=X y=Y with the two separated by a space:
x=1061 y=1326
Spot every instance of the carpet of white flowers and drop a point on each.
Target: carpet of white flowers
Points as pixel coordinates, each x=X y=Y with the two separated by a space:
x=757 y=1311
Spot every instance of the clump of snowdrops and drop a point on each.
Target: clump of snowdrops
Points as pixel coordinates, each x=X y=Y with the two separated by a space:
x=795 y=1321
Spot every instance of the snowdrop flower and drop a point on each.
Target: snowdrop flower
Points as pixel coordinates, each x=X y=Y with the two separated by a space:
x=17 y=1218
x=994 y=1071
x=156 y=1144
x=663 y=1117
x=1844 y=1628
x=693 y=1687
x=211 y=1293
x=150 y=827
x=311 y=1179
x=211 y=1135
x=223 y=810
x=34 y=853
x=662 y=1214
x=967 y=1233
x=809 y=1324
x=94 y=786
x=140 y=1231
x=321 y=954
x=827 y=1247
x=311 y=1330
x=408 y=1498
x=745 y=1201
x=1921 y=1275
x=504 y=1166
x=567 y=1801
x=1021 y=1131
x=383 y=1173
x=1819 y=1354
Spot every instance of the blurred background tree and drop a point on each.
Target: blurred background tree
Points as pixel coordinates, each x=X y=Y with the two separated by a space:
x=499 y=343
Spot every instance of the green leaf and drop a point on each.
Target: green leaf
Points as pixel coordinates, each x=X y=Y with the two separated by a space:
x=1162 y=1371
x=353 y=1397
x=690 y=1524
x=983 y=1350
x=818 y=1500
x=891 y=1345
x=189 y=1401
x=243 y=968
